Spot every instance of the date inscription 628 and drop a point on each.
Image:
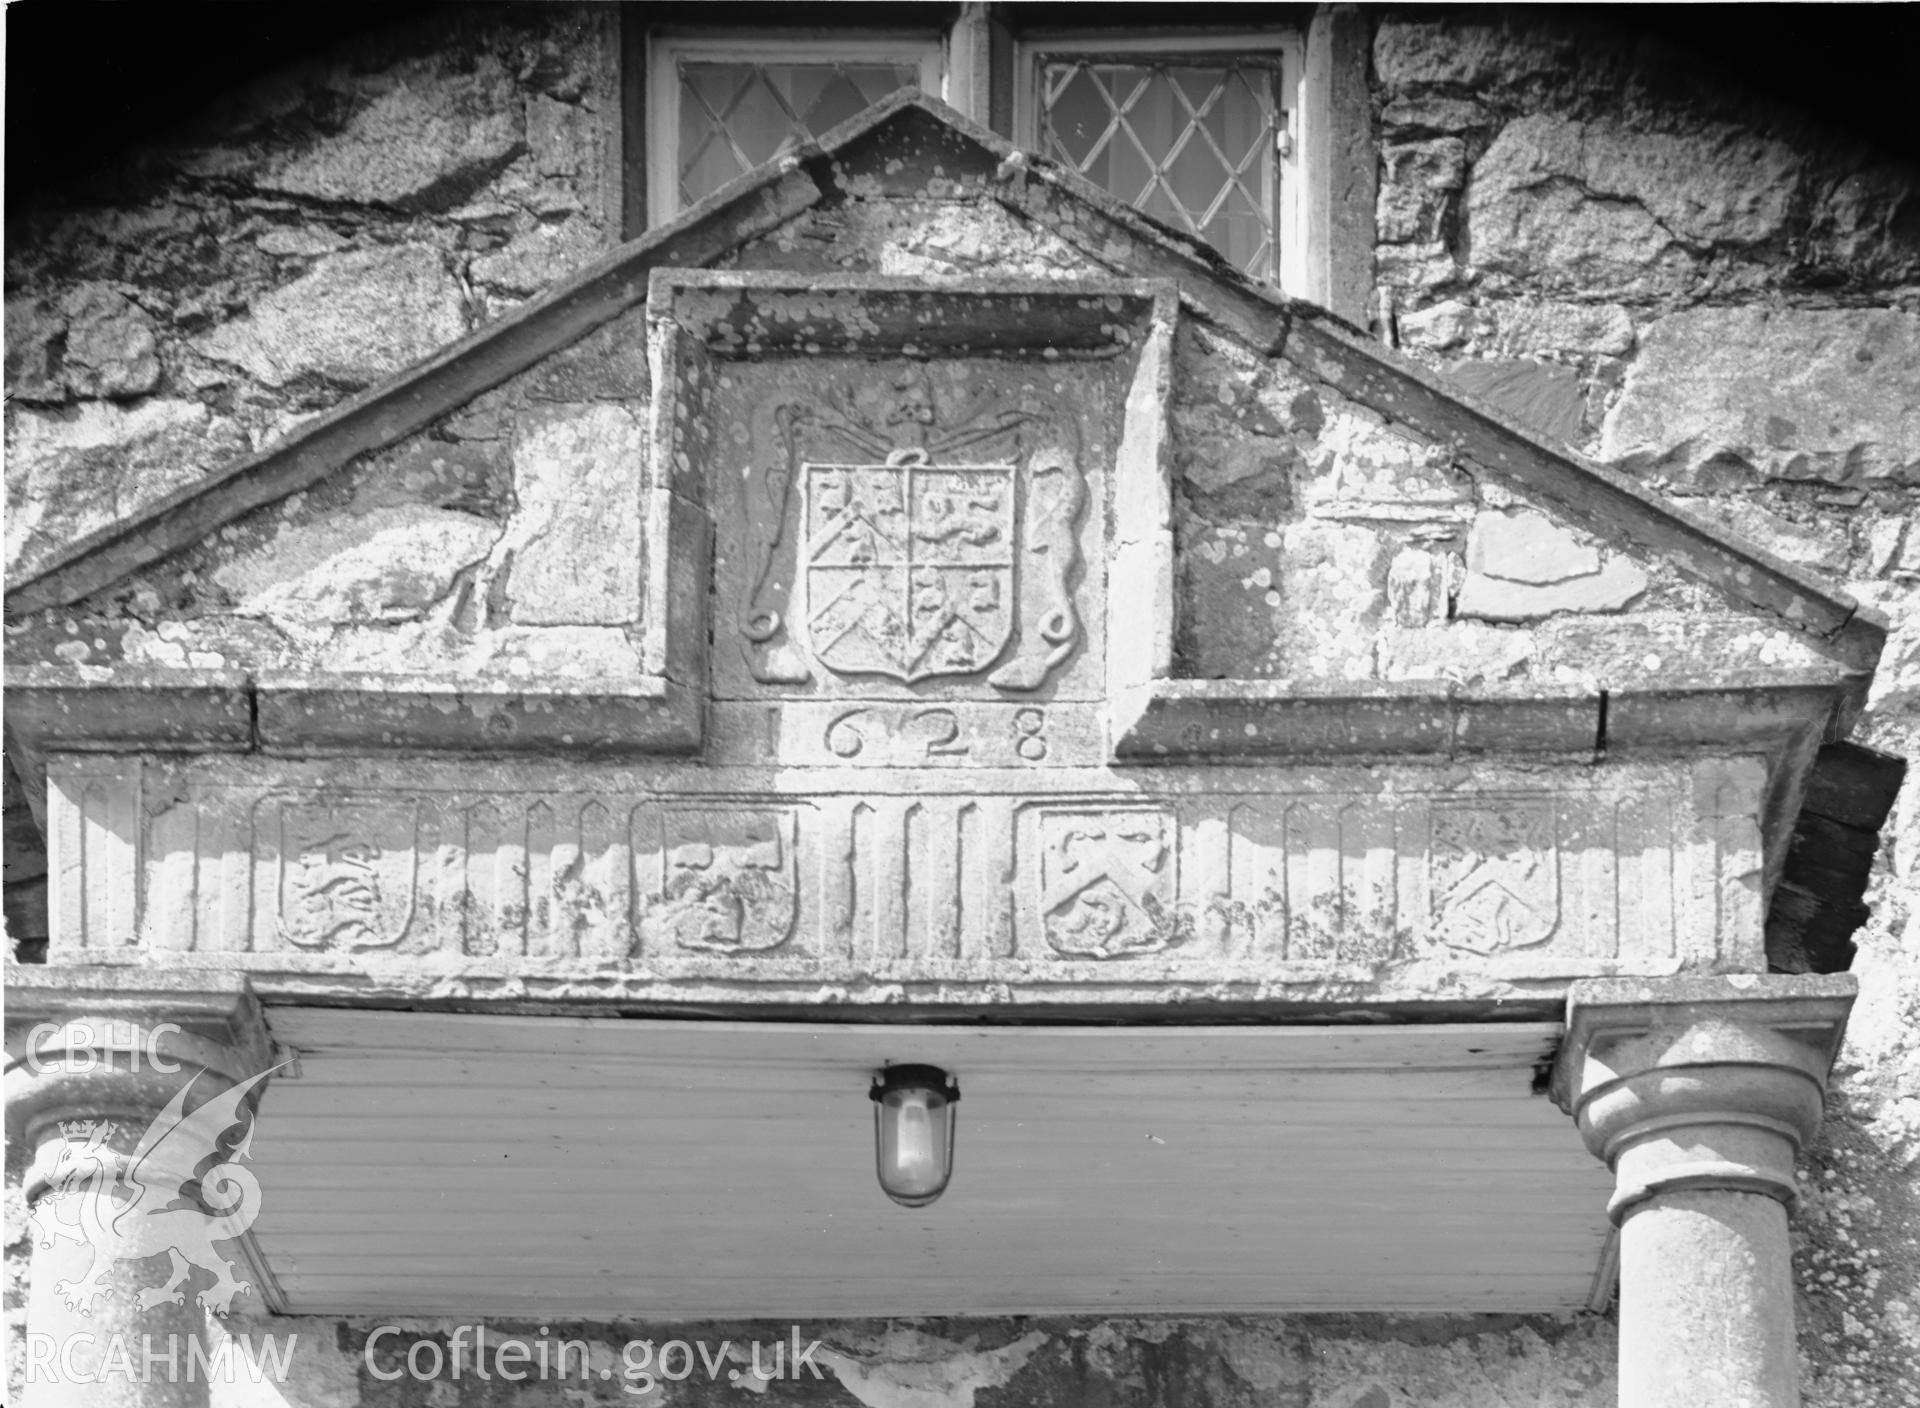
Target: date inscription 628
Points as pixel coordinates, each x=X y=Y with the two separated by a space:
x=936 y=735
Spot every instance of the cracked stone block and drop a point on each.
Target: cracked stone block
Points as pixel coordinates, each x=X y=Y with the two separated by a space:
x=1604 y=209
x=1789 y=394
x=1522 y=566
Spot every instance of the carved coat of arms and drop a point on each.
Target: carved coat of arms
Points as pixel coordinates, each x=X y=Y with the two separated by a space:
x=347 y=874
x=1107 y=882
x=727 y=879
x=910 y=543
x=1495 y=874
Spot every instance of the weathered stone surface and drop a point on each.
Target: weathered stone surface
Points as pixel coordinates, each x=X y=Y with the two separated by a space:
x=1586 y=329
x=1868 y=224
x=382 y=567
x=1538 y=394
x=1523 y=566
x=34 y=330
x=540 y=257
x=110 y=348
x=1537 y=1364
x=1445 y=324
x=1803 y=544
x=70 y=472
x=425 y=136
x=1433 y=113
x=553 y=135
x=1605 y=209
x=1645 y=648
x=302 y=243
x=1416 y=187
x=1333 y=590
x=1472 y=55
x=1467 y=652
x=571 y=551
x=355 y=318
x=93 y=343
x=1793 y=394
x=1528 y=547
x=1426 y=265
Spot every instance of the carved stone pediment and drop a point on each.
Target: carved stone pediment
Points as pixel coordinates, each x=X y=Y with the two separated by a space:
x=861 y=636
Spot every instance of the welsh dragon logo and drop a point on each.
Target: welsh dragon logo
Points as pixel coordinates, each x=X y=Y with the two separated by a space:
x=156 y=1202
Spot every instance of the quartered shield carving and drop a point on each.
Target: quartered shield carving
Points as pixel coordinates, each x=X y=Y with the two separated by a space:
x=911 y=544
x=909 y=568
x=728 y=878
x=346 y=873
x=1495 y=874
x=1108 y=882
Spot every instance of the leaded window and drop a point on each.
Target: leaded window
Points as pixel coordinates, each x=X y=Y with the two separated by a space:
x=1196 y=138
x=721 y=108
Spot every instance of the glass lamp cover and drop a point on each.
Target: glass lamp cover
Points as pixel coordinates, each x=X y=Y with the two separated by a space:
x=913 y=1122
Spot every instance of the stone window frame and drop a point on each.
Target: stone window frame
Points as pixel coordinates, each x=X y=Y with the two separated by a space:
x=1335 y=152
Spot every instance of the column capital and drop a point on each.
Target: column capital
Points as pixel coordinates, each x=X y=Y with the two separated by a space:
x=1700 y=1082
x=88 y=1041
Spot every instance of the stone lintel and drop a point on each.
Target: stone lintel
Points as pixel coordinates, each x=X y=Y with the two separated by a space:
x=1700 y=1083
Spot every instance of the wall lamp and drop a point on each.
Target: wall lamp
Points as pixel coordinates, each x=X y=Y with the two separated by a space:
x=913 y=1124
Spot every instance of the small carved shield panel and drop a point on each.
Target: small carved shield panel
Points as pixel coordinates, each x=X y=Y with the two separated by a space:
x=1495 y=874
x=728 y=878
x=1108 y=881
x=347 y=874
x=909 y=567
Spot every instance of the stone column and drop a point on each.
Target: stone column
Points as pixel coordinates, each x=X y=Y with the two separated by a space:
x=1699 y=1093
x=94 y=1058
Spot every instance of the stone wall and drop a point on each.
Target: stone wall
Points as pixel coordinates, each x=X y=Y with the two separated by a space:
x=1721 y=296
x=1700 y=285
x=298 y=241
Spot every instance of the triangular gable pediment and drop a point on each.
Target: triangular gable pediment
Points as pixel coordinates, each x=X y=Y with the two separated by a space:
x=1572 y=540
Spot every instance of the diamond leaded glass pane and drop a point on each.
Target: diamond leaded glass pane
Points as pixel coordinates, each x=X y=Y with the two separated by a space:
x=1190 y=143
x=733 y=116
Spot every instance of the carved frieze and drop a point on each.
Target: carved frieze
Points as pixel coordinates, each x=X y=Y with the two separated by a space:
x=968 y=875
